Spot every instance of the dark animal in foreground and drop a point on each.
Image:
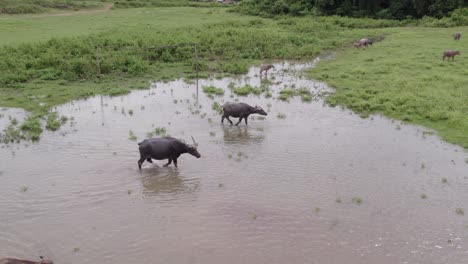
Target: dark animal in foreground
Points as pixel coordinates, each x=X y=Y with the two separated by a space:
x=240 y=110
x=20 y=261
x=450 y=54
x=165 y=148
x=265 y=68
x=364 y=42
x=457 y=36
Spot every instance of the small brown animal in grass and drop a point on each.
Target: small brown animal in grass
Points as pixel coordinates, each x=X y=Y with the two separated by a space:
x=364 y=42
x=265 y=68
x=21 y=261
x=450 y=54
x=457 y=36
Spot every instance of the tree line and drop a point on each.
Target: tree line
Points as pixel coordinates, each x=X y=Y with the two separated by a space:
x=388 y=9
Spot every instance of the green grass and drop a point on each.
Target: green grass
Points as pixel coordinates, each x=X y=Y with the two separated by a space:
x=20 y=29
x=211 y=90
x=404 y=77
x=42 y=6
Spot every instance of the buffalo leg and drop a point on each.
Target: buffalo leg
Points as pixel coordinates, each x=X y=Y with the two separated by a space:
x=227 y=117
x=175 y=163
x=168 y=163
x=222 y=119
x=142 y=159
x=240 y=119
x=245 y=119
x=149 y=160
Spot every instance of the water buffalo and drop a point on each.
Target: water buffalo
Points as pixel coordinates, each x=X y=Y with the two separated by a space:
x=265 y=68
x=165 y=148
x=240 y=110
x=21 y=261
x=457 y=36
x=450 y=54
x=364 y=42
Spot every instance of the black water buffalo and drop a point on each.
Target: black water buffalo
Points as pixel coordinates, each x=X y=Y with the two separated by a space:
x=21 y=261
x=457 y=36
x=240 y=110
x=165 y=148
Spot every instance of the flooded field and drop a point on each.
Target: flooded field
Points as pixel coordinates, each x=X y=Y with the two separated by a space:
x=307 y=184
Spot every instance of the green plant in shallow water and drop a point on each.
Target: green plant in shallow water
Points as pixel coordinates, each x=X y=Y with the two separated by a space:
x=211 y=90
x=217 y=107
x=132 y=135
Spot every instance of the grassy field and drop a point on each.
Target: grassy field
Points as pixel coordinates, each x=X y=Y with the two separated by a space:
x=404 y=77
x=19 y=29
x=45 y=6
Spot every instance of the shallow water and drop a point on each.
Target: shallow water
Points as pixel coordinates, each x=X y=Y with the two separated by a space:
x=275 y=191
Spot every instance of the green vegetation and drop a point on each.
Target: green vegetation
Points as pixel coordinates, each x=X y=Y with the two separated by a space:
x=54 y=122
x=42 y=6
x=132 y=135
x=211 y=90
x=248 y=89
x=304 y=93
x=159 y=131
x=460 y=211
x=404 y=78
x=423 y=196
x=357 y=200
x=217 y=107
x=165 y=3
x=395 y=9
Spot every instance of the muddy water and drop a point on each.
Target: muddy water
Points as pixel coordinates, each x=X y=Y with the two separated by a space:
x=275 y=191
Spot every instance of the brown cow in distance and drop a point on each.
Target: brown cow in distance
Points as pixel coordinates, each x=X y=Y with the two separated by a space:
x=450 y=54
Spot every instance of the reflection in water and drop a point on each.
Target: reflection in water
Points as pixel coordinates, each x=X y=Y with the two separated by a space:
x=241 y=135
x=167 y=182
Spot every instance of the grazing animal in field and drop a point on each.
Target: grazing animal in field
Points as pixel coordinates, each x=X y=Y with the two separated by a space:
x=165 y=148
x=265 y=68
x=457 y=36
x=364 y=42
x=240 y=110
x=450 y=54
x=21 y=261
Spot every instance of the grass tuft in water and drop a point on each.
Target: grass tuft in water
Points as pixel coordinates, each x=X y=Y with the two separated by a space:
x=24 y=189
x=338 y=200
x=317 y=209
x=444 y=180
x=357 y=200
x=130 y=112
x=132 y=135
x=423 y=196
x=248 y=89
x=217 y=107
x=460 y=211
x=212 y=90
